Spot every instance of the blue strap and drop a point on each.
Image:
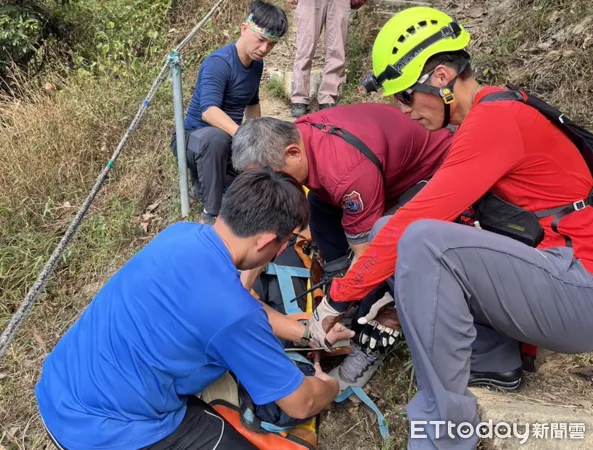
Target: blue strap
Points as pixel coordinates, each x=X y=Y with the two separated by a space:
x=285 y=275
x=249 y=417
x=355 y=390
x=297 y=357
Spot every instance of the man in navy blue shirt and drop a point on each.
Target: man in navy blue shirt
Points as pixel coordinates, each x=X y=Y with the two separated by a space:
x=227 y=89
x=175 y=318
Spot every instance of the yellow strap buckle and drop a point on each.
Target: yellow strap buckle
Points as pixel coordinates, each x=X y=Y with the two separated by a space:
x=447 y=95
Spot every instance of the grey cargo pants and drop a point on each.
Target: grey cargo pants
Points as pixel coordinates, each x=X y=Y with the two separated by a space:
x=209 y=155
x=456 y=286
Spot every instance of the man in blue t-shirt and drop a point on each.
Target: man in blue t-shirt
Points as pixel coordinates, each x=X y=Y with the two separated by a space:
x=175 y=318
x=227 y=89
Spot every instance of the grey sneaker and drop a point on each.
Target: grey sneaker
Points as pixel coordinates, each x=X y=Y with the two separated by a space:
x=299 y=109
x=357 y=369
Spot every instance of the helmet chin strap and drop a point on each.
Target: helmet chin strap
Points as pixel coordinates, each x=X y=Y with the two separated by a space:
x=446 y=93
x=446 y=116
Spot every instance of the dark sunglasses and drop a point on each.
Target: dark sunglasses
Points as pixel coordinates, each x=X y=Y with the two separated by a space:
x=407 y=97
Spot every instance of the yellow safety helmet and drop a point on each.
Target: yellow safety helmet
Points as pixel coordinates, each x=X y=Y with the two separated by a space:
x=406 y=42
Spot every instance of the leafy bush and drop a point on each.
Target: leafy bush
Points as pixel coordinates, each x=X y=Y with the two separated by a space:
x=111 y=36
x=117 y=35
x=19 y=31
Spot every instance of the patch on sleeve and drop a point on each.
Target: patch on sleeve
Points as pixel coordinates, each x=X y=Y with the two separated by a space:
x=352 y=202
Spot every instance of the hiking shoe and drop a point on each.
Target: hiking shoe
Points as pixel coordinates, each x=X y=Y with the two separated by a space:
x=207 y=219
x=195 y=192
x=299 y=109
x=528 y=362
x=506 y=381
x=357 y=369
x=326 y=105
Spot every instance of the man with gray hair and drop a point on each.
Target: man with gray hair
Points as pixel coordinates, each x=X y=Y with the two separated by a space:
x=360 y=162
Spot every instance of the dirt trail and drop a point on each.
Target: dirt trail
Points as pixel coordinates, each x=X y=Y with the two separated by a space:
x=282 y=56
x=281 y=61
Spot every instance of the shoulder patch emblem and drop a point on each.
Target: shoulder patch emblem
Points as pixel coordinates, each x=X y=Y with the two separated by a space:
x=352 y=202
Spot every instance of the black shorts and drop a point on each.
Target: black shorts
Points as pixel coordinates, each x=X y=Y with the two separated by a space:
x=202 y=428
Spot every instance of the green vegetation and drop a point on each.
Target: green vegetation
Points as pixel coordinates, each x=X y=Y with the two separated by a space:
x=274 y=86
x=361 y=36
x=116 y=36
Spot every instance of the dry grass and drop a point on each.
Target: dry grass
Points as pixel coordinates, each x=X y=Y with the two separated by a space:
x=364 y=27
x=53 y=148
x=351 y=426
x=54 y=144
x=545 y=46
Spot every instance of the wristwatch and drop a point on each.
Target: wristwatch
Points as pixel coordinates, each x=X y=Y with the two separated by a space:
x=304 y=342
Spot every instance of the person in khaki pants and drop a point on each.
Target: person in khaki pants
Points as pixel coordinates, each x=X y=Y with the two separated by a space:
x=312 y=16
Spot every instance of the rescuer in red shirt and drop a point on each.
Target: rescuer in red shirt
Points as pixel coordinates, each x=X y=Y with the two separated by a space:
x=349 y=193
x=466 y=297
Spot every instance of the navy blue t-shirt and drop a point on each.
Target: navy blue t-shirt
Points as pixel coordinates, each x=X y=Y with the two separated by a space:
x=224 y=81
x=171 y=321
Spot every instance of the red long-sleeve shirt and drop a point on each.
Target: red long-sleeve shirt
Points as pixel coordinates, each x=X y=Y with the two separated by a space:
x=508 y=148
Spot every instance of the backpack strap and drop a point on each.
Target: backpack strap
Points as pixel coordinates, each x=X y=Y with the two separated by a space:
x=554 y=115
x=563 y=211
x=353 y=141
x=582 y=138
x=502 y=96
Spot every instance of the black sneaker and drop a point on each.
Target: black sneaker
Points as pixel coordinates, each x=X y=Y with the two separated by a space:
x=299 y=109
x=195 y=192
x=326 y=105
x=207 y=219
x=507 y=381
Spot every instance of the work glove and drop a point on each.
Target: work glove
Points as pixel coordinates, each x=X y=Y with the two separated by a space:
x=325 y=317
x=380 y=325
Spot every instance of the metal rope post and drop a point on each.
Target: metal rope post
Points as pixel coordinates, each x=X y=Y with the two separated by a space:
x=26 y=306
x=175 y=62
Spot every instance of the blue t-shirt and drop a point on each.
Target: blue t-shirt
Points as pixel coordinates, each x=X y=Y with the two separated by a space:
x=166 y=325
x=224 y=81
